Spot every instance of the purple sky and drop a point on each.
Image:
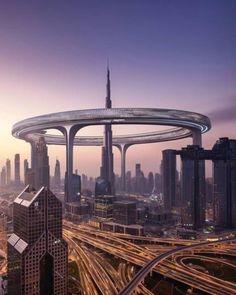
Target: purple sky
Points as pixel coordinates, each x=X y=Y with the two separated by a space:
x=167 y=54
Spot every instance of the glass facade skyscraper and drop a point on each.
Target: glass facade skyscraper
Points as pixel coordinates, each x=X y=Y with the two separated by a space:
x=37 y=253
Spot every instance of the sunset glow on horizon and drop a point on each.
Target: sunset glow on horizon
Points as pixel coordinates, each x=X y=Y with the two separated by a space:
x=162 y=54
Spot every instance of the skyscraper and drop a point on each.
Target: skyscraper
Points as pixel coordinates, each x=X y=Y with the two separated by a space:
x=128 y=182
x=139 y=179
x=138 y=169
x=17 y=169
x=3 y=177
x=37 y=253
x=107 y=156
x=150 y=182
x=8 y=171
x=224 y=183
x=57 y=175
x=158 y=184
x=192 y=187
x=40 y=163
x=75 y=189
x=26 y=167
x=223 y=155
x=84 y=181
x=169 y=178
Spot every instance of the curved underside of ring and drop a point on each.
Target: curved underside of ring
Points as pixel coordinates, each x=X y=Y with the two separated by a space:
x=186 y=123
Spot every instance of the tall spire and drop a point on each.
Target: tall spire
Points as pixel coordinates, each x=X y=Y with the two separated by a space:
x=106 y=172
x=108 y=94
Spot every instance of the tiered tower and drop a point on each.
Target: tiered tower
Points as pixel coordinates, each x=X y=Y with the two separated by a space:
x=107 y=173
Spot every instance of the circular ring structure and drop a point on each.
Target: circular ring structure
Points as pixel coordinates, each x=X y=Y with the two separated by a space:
x=186 y=123
x=117 y=140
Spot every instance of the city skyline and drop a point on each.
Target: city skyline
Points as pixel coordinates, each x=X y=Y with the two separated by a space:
x=53 y=60
x=118 y=216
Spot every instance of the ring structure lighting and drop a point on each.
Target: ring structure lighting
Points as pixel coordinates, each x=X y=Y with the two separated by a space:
x=118 y=140
x=184 y=124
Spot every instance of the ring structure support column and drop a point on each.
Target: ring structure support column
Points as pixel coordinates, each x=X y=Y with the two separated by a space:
x=197 y=137
x=69 y=133
x=185 y=124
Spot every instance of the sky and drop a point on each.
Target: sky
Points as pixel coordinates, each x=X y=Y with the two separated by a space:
x=162 y=54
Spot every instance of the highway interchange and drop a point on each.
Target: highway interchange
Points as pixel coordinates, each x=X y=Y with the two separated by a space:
x=171 y=261
x=110 y=263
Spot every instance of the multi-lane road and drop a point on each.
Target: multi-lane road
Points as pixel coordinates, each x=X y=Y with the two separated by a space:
x=165 y=261
x=139 y=277
x=111 y=263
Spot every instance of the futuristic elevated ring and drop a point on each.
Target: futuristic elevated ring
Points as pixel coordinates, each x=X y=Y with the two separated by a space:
x=186 y=124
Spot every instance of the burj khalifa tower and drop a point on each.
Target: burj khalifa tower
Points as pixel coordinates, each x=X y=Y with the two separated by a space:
x=106 y=172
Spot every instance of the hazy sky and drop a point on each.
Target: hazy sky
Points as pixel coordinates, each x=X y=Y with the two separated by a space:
x=163 y=54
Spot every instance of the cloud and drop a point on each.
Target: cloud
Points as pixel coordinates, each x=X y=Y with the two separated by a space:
x=225 y=114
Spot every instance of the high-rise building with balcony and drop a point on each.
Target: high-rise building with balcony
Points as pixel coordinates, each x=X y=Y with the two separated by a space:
x=103 y=206
x=37 y=253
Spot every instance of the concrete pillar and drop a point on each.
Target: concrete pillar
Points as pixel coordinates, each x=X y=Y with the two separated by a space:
x=197 y=137
x=69 y=133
